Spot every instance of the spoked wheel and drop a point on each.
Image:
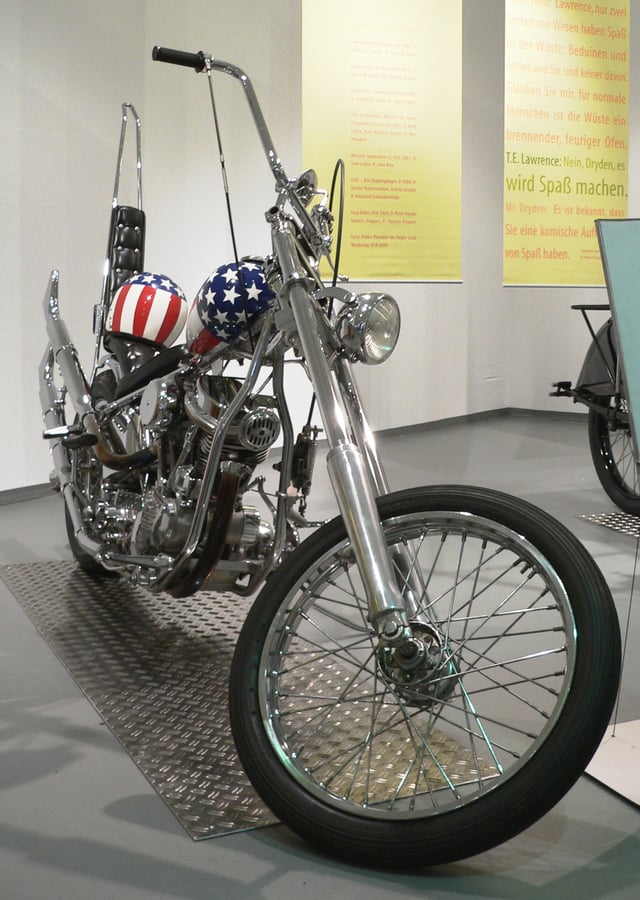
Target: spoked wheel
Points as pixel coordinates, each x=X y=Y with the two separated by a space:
x=614 y=461
x=405 y=760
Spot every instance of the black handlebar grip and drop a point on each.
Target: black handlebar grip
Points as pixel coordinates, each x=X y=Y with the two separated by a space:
x=179 y=58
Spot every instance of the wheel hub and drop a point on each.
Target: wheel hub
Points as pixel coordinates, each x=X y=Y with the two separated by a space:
x=421 y=669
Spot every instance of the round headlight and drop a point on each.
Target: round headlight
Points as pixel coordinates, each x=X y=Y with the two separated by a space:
x=369 y=327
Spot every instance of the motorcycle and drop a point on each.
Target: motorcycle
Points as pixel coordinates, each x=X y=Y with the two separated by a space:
x=600 y=387
x=424 y=675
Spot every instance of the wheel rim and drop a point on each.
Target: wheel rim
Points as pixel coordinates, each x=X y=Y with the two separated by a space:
x=343 y=731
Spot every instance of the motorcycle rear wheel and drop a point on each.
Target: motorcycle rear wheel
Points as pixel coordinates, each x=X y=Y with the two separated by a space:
x=463 y=757
x=614 y=461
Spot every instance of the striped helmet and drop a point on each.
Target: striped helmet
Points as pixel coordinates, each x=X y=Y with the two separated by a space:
x=148 y=307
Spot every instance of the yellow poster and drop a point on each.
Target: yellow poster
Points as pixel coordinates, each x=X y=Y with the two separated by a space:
x=566 y=136
x=381 y=89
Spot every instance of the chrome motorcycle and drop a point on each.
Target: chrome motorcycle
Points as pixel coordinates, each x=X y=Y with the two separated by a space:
x=424 y=675
x=600 y=387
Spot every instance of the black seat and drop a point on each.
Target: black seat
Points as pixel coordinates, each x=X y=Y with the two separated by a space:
x=162 y=364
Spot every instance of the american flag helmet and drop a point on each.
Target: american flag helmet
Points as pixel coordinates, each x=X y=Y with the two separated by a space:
x=226 y=302
x=148 y=307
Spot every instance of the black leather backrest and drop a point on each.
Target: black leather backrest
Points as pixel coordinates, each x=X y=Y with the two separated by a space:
x=126 y=244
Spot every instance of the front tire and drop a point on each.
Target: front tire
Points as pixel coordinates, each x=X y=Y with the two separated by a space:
x=454 y=762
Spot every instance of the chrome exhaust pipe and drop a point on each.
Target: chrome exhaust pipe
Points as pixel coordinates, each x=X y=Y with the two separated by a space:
x=55 y=429
x=66 y=357
x=61 y=353
x=76 y=385
x=52 y=402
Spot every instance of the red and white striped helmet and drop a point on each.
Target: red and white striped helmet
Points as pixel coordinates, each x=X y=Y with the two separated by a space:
x=149 y=308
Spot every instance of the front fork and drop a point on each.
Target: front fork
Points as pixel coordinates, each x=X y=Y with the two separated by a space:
x=356 y=482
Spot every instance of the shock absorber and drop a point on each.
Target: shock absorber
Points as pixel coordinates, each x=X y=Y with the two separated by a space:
x=304 y=457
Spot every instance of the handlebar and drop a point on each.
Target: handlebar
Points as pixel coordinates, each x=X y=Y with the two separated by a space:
x=287 y=189
x=179 y=58
x=203 y=61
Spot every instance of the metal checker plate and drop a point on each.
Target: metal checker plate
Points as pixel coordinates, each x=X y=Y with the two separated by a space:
x=156 y=670
x=617 y=521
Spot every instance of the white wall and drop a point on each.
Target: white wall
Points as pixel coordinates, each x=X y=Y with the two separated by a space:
x=65 y=67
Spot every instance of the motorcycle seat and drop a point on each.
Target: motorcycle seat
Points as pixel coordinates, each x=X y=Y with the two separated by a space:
x=161 y=364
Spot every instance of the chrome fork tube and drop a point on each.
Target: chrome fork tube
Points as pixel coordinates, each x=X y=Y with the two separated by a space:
x=362 y=430
x=351 y=479
x=406 y=575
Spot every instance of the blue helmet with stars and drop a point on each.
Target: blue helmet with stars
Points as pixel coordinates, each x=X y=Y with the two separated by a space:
x=228 y=300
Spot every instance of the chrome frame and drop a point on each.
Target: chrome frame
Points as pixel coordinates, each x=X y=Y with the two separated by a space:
x=355 y=469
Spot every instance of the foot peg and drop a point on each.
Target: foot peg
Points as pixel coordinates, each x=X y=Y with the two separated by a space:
x=562 y=389
x=71 y=436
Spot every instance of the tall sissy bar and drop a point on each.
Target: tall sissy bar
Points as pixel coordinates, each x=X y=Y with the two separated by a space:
x=125 y=243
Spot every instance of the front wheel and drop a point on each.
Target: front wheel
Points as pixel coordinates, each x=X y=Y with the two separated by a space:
x=387 y=764
x=614 y=460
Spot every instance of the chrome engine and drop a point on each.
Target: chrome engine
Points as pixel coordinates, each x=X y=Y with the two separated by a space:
x=252 y=432
x=161 y=524
x=180 y=424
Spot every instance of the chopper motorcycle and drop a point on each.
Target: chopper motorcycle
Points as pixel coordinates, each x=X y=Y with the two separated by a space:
x=600 y=387
x=424 y=675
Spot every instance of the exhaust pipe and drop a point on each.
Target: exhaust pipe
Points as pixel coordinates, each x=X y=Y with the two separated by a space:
x=65 y=356
x=52 y=402
x=62 y=353
x=55 y=429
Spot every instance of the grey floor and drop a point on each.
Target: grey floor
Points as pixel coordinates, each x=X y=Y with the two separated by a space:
x=78 y=820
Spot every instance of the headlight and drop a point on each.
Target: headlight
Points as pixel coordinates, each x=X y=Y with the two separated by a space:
x=369 y=327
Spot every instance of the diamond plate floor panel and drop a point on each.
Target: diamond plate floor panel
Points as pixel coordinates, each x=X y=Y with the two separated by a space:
x=156 y=670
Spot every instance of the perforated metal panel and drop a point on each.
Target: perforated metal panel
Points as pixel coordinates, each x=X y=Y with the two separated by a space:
x=617 y=521
x=156 y=669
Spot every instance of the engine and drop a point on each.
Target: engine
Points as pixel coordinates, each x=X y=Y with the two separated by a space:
x=254 y=429
x=184 y=432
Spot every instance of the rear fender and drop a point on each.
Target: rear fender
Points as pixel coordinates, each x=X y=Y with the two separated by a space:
x=598 y=373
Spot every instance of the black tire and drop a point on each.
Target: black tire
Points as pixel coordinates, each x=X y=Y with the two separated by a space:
x=614 y=461
x=386 y=774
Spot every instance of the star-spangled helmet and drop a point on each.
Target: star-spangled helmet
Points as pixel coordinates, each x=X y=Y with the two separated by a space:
x=225 y=303
x=148 y=307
